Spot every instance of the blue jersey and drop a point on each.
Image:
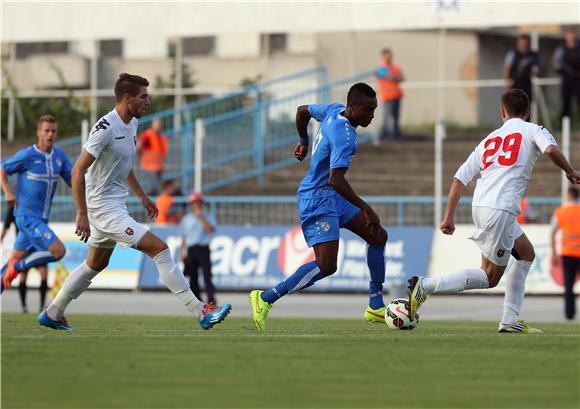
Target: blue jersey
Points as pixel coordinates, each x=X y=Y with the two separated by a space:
x=333 y=148
x=38 y=174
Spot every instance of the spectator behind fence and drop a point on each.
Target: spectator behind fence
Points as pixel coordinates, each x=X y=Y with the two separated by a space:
x=527 y=212
x=567 y=220
x=566 y=61
x=197 y=228
x=152 y=148
x=389 y=75
x=521 y=63
x=169 y=211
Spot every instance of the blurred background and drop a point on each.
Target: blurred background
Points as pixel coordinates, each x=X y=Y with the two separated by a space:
x=226 y=79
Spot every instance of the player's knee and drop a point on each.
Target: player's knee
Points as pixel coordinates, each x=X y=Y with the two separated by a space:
x=383 y=237
x=493 y=280
x=327 y=268
x=58 y=250
x=530 y=255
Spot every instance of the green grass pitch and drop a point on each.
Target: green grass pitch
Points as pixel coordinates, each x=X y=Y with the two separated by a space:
x=168 y=362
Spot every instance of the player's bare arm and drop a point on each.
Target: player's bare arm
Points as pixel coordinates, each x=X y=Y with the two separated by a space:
x=302 y=119
x=447 y=226
x=338 y=181
x=83 y=163
x=9 y=196
x=558 y=158
x=147 y=203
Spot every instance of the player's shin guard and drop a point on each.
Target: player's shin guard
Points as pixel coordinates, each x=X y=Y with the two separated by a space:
x=304 y=277
x=466 y=279
x=75 y=284
x=376 y=264
x=174 y=279
x=514 y=291
x=38 y=258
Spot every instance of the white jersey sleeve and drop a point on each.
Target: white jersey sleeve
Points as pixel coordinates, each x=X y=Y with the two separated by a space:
x=543 y=138
x=469 y=169
x=99 y=138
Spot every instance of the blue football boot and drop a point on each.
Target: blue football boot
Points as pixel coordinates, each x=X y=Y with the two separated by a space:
x=212 y=314
x=46 y=321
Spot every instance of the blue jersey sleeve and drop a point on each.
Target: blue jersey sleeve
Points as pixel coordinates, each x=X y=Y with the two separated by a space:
x=65 y=171
x=17 y=164
x=343 y=146
x=321 y=111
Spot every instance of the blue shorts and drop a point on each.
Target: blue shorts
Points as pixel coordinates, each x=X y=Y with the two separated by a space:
x=322 y=217
x=33 y=234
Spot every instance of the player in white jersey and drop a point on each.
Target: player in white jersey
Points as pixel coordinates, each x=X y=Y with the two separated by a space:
x=101 y=179
x=505 y=159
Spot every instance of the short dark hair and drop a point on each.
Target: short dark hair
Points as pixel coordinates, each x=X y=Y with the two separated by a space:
x=359 y=91
x=166 y=183
x=516 y=103
x=45 y=118
x=572 y=191
x=525 y=37
x=129 y=84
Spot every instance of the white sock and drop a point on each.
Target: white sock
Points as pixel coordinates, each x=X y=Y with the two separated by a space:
x=514 y=291
x=174 y=279
x=74 y=285
x=466 y=279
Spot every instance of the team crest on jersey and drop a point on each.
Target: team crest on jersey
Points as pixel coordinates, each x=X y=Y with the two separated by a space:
x=325 y=226
x=59 y=162
x=129 y=231
x=47 y=235
x=500 y=253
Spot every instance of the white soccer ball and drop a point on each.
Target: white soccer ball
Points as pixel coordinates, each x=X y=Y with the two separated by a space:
x=397 y=315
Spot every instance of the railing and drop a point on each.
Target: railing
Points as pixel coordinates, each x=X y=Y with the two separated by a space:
x=236 y=114
x=281 y=210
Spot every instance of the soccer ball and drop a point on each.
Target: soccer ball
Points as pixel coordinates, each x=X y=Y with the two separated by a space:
x=397 y=315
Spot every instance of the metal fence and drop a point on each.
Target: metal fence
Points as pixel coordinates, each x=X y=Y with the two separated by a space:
x=281 y=210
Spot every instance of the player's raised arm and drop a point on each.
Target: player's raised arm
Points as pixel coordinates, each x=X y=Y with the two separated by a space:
x=83 y=163
x=149 y=205
x=303 y=117
x=465 y=174
x=558 y=158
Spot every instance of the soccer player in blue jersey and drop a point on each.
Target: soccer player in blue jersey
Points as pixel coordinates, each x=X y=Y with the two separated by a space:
x=38 y=167
x=326 y=202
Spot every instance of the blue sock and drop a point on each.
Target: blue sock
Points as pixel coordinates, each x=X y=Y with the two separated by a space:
x=304 y=277
x=376 y=263
x=38 y=258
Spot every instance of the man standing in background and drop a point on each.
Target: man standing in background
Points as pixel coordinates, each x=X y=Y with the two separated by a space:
x=566 y=61
x=520 y=64
x=152 y=148
x=197 y=229
x=567 y=219
x=389 y=76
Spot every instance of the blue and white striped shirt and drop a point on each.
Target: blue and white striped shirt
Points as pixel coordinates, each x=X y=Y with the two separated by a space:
x=38 y=174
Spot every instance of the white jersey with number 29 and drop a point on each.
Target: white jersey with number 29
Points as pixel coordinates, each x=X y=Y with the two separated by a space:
x=505 y=159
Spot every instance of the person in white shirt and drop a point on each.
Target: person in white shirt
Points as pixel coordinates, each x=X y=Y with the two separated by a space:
x=100 y=181
x=505 y=159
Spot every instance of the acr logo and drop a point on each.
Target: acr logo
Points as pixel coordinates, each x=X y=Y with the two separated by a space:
x=129 y=231
x=293 y=251
x=500 y=252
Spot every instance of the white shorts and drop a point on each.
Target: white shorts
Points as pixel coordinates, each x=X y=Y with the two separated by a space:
x=495 y=233
x=110 y=227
